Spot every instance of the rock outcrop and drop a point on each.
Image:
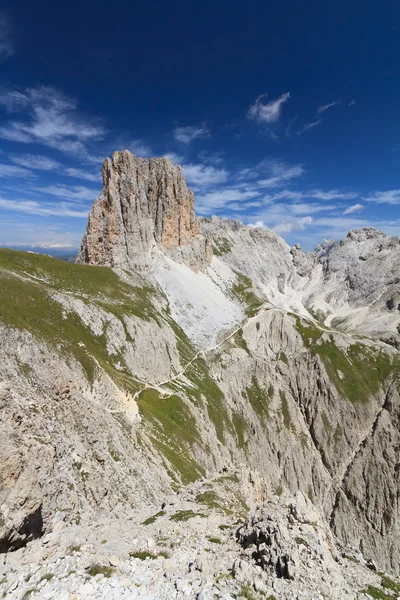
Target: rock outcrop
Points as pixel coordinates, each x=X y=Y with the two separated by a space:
x=144 y=206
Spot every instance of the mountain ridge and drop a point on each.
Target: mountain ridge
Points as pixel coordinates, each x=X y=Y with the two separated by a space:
x=134 y=384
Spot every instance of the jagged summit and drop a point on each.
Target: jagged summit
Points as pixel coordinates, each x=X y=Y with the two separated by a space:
x=144 y=205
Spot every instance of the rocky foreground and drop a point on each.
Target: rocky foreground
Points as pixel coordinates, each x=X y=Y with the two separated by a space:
x=199 y=544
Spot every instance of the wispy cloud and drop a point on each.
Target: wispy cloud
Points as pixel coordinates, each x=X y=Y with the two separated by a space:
x=324 y=107
x=279 y=173
x=292 y=225
x=203 y=176
x=353 y=209
x=11 y=171
x=352 y=102
x=74 y=192
x=36 y=162
x=7 y=42
x=308 y=126
x=386 y=197
x=139 y=148
x=331 y=195
x=186 y=135
x=217 y=200
x=41 y=209
x=49 y=118
x=268 y=112
x=81 y=174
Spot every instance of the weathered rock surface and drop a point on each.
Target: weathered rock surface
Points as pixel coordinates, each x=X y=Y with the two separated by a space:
x=144 y=206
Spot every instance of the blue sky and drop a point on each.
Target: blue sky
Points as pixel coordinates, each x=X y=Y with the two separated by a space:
x=281 y=114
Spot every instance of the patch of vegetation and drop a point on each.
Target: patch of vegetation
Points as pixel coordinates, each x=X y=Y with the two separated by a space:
x=287 y=421
x=377 y=593
x=28 y=282
x=223 y=576
x=142 y=555
x=247 y=592
x=279 y=491
x=221 y=246
x=240 y=342
x=241 y=427
x=210 y=499
x=214 y=540
x=72 y=549
x=205 y=387
x=356 y=373
x=309 y=332
x=301 y=541
x=152 y=519
x=244 y=292
x=185 y=515
x=27 y=593
x=47 y=577
x=391 y=585
x=282 y=357
x=98 y=569
x=174 y=430
x=258 y=398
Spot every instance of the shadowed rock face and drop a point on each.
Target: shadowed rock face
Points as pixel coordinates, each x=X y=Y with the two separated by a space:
x=145 y=205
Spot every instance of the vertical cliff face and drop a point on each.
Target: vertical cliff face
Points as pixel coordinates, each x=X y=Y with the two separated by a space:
x=144 y=205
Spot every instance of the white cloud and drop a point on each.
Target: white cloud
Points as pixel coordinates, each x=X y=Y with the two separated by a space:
x=353 y=209
x=139 y=148
x=49 y=118
x=175 y=158
x=7 y=45
x=306 y=208
x=352 y=102
x=36 y=162
x=41 y=209
x=269 y=112
x=14 y=171
x=221 y=198
x=74 y=192
x=186 y=135
x=203 y=176
x=386 y=197
x=280 y=174
x=308 y=126
x=81 y=174
x=331 y=195
x=292 y=225
x=271 y=172
x=322 y=109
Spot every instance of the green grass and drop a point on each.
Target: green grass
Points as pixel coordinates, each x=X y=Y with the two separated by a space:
x=243 y=290
x=241 y=428
x=205 y=387
x=98 y=569
x=185 y=515
x=26 y=304
x=142 y=555
x=358 y=372
x=377 y=593
x=173 y=432
x=47 y=577
x=214 y=540
x=153 y=519
x=221 y=246
x=258 y=398
x=287 y=420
